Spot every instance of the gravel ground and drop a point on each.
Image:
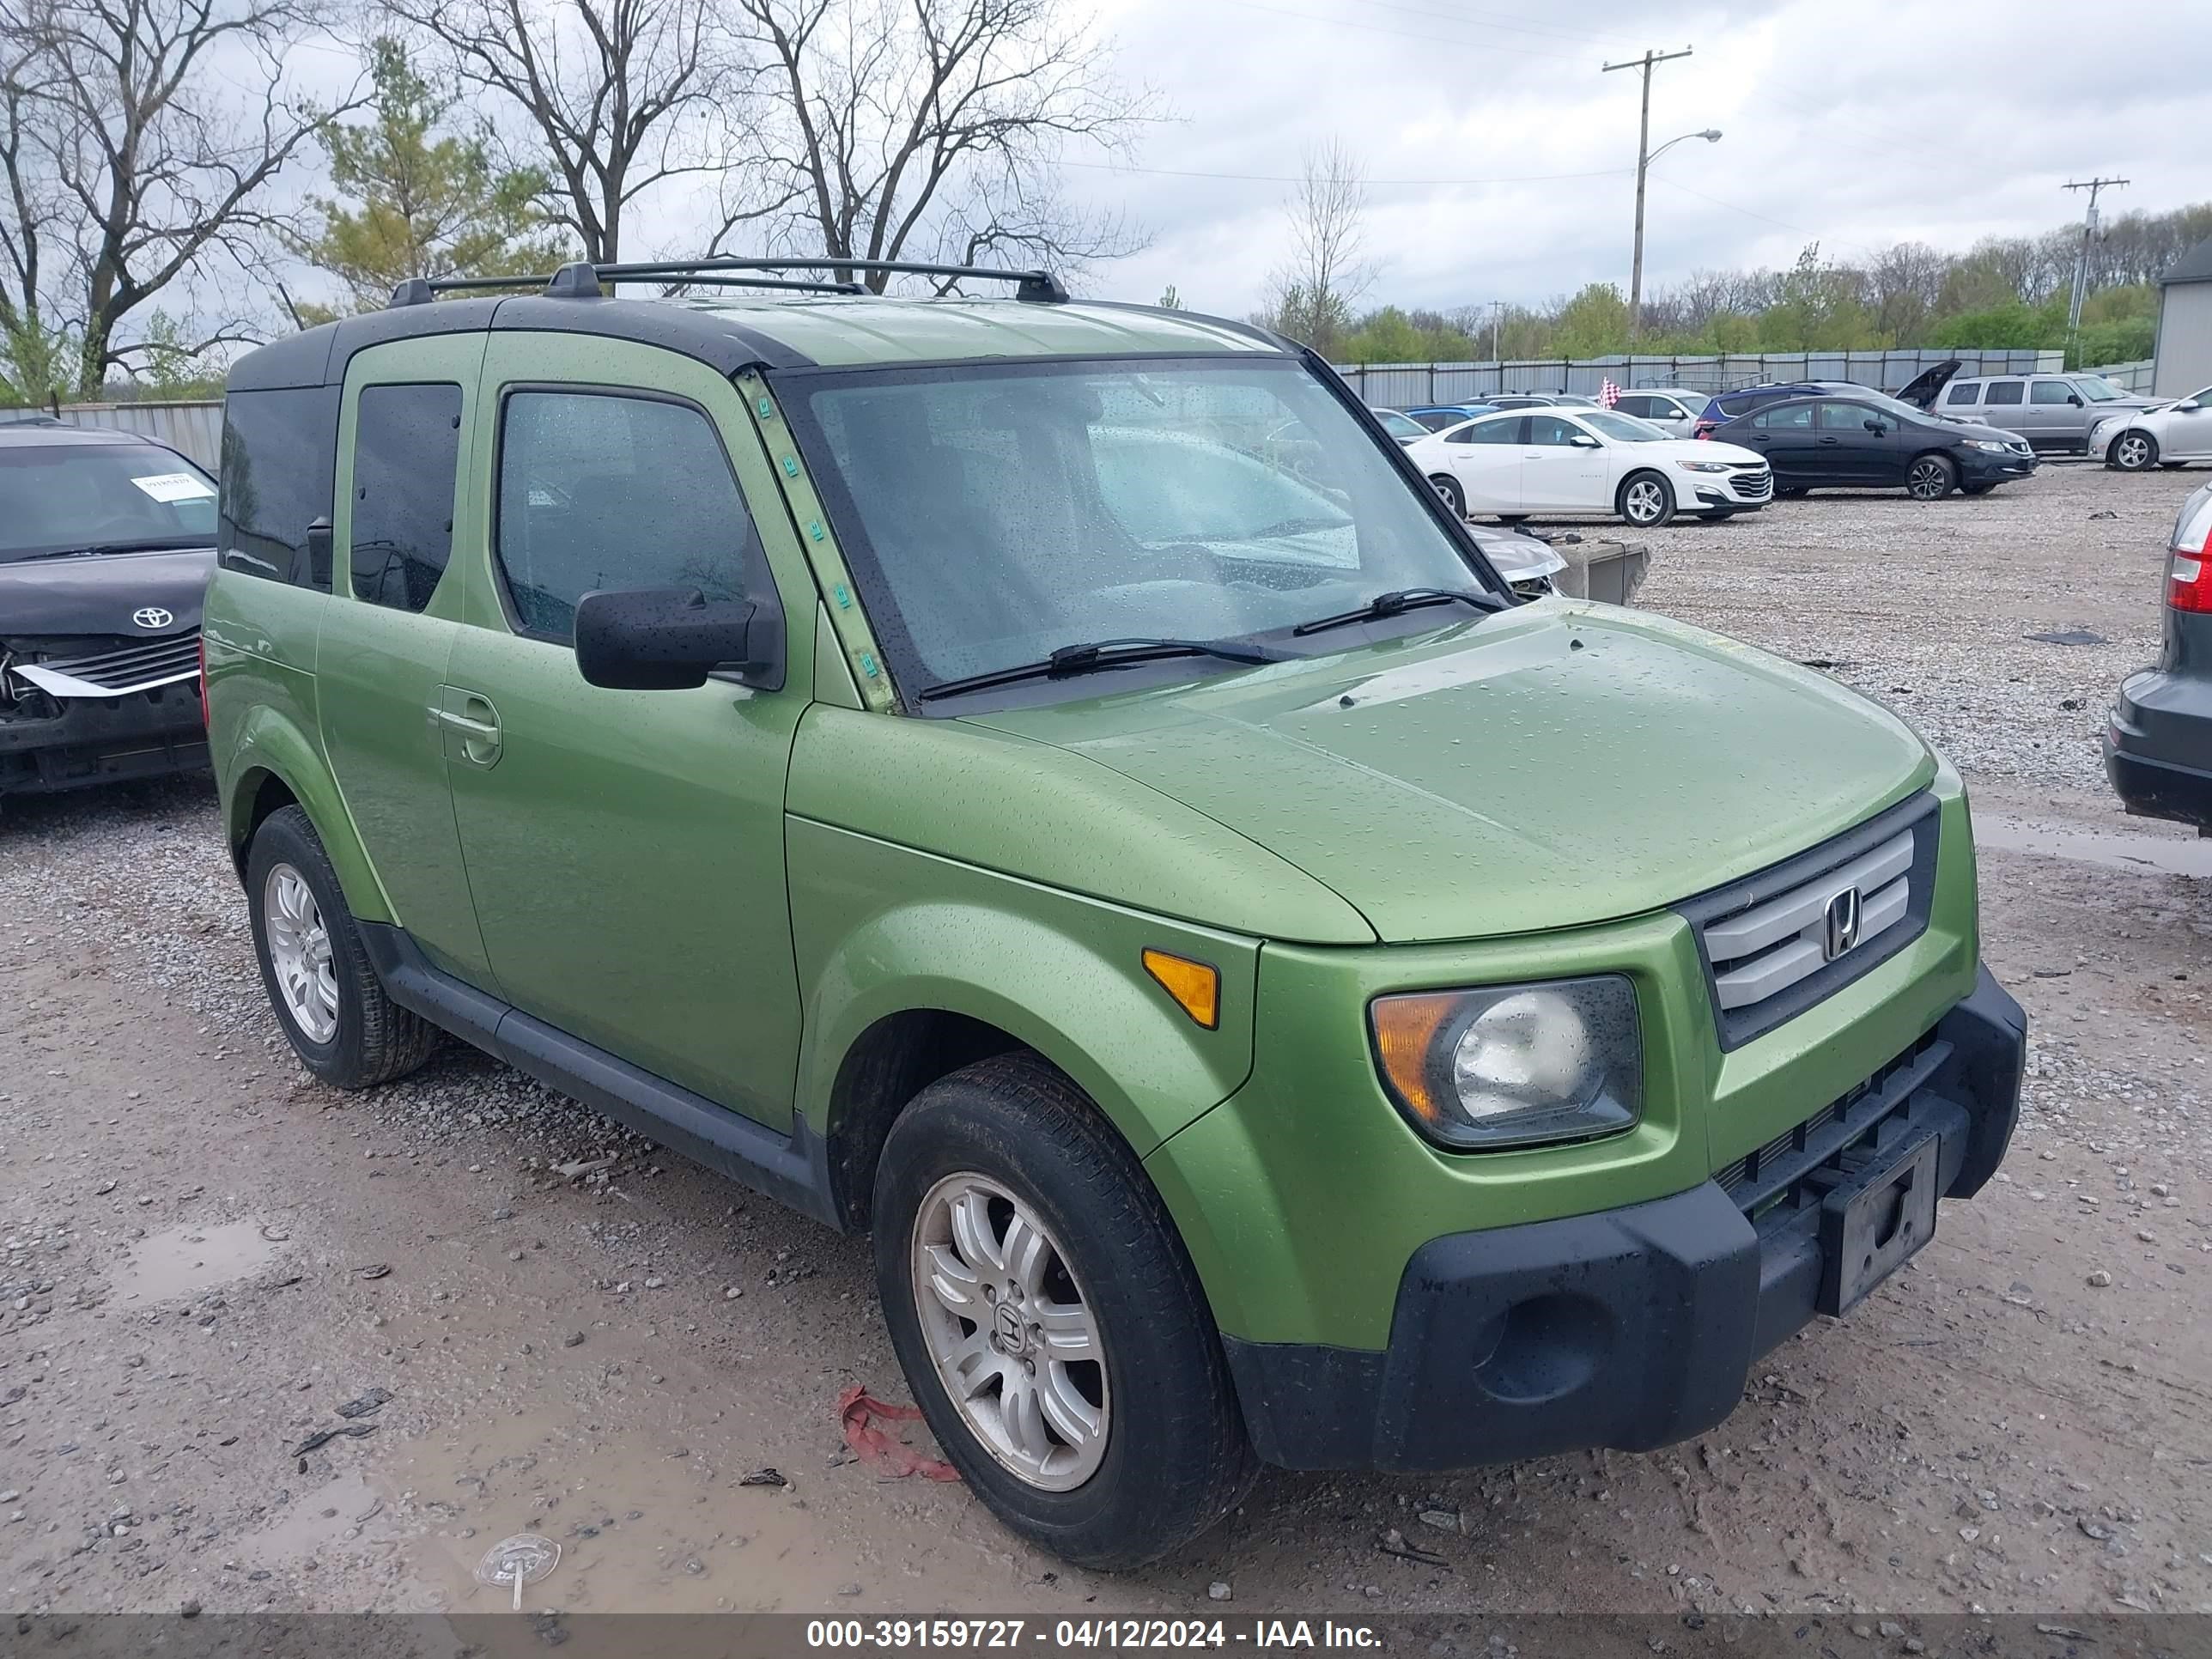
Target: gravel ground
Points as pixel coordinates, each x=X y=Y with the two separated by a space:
x=190 y=1227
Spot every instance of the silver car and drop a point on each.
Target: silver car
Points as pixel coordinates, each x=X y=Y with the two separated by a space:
x=1674 y=409
x=2053 y=412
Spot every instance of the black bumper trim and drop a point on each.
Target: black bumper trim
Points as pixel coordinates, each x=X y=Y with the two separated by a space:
x=2152 y=788
x=1630 y=1328
x=104 y=740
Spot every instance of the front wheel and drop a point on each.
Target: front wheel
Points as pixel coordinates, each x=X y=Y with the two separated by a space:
x=2133 y=451
x=1930 y=478
x=1646 y=501
x=1451 y=493
x=1049 y=1321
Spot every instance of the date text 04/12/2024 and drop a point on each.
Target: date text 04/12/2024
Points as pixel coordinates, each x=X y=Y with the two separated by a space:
x=882 y=1635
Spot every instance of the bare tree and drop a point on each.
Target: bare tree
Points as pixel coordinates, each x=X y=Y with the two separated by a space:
x=140 y=141
x=1312 y=293
x=612 y=97
x=929 y=129
x=1903 y=282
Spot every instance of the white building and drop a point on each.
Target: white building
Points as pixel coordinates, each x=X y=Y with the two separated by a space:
x=2183 y=356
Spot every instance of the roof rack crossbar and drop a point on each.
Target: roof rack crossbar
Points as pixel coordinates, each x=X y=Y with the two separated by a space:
x=579 y=280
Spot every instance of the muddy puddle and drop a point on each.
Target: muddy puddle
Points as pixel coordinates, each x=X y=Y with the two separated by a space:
x=2146 y=855
x=181 y=1261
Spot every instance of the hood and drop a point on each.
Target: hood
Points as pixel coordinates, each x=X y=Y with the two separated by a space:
x=1699 y=449
x=1517 y=559
x=1545 y=767
x=1921 y=388
x=99 y=593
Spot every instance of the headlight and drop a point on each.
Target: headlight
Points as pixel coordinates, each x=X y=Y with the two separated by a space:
x=1514 y=1064
x=1703 y=467
x=1996 y=446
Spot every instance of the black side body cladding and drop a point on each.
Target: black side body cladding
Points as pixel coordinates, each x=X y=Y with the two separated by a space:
x=793 y=1170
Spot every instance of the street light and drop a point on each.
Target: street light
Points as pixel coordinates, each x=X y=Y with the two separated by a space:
x=1644 y=161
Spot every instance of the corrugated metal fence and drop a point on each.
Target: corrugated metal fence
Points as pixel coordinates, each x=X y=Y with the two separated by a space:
x=1399 y=386
x=195 y=428
x=2129 y=377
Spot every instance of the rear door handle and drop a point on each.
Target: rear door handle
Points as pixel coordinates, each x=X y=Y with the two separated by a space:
x=469 y=726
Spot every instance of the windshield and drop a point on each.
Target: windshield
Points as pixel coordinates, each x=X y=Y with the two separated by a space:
x=2097 y=389
x=1622 y=429
x=1401 y=426
x=60 y=497
x=996 y=514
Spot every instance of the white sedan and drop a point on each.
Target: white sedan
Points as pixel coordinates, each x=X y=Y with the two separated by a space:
x=1522 y=462
x=2168 y=435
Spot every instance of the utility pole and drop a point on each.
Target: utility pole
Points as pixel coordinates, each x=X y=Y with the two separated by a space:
x=2081 y=265
x=1496 y=310
x=1647 y=63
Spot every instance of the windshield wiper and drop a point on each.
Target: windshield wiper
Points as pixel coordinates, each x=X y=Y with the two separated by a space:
x=1398 y=601
x=1072 y=660
x=144 y=544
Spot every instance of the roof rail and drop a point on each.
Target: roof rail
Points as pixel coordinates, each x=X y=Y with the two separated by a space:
x=579 y=280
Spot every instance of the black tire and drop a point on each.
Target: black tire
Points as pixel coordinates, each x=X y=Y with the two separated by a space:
x=1176 y=1457
x=1975 y=490
x=376 y=1039
x=1792 y=492
x=2133 y=450
x=1448 y=490
x=1628 y=502
x=1931 y=477
x=2172 y=467
x=1512 y=517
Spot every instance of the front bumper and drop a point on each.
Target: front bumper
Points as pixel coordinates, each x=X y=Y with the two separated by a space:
x=102 y=740
x=1636 y=1326
x=2158 y=746
x=1982 y=466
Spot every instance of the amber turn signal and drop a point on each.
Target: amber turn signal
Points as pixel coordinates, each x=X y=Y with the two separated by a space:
x=1195 y=987
x=1406 y=1027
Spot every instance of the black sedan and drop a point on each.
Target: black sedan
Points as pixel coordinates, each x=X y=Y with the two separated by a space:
x=1868 y=441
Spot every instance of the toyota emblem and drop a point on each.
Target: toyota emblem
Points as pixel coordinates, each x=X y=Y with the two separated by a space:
x=151 y=616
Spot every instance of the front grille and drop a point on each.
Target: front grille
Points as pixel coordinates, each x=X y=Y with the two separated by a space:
x=119 y=668
x=1773 y=945
x=1794 y=1169
x=1752 y=485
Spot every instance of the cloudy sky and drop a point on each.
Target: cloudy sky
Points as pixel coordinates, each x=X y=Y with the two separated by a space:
x=1856 y=123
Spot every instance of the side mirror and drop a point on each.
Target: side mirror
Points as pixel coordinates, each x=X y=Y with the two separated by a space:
x=2188 y=406
x=1876 y=427
x=1583 y=441
x=2074 y=399
x=665 y=639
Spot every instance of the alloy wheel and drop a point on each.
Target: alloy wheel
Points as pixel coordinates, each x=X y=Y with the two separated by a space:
x=2132 y=452
x=300 y=952
x=1643 y=501
x=1448 y=492
x=1015 y=1344
x=1929 y=480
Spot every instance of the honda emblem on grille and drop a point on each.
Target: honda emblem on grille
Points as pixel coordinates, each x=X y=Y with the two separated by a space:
x=1840 y=927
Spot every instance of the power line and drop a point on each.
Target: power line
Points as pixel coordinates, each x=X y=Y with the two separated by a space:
x=1294 y=179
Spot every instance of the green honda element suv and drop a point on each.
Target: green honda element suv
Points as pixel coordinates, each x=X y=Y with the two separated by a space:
x=1049 y=785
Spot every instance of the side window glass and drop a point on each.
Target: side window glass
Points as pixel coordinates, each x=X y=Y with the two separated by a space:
x=1551 y=432
x=1788 y=417
x=1633 y=404
x=2050 y=391
x=406 y=447
x=1964 y=394
x=2005 y=392
x=1845 y=417
x=279 y=458
x=602 y=491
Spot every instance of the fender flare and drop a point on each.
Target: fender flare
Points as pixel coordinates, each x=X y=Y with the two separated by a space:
x=270 y=746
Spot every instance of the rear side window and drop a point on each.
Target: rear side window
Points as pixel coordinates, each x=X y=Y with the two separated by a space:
x=1965 y=393
x=406 y=447
x=279 y=456
x=2050 y=391
x=1490 y=432
x=1788 y=418
x=2004 y=391
x=604 y=491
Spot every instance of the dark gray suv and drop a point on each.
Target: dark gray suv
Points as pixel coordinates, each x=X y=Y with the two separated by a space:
x=2158 y=740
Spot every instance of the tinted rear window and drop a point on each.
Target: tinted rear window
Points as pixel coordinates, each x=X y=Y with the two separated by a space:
x=279 y=453
x=1964 y=394
x=2004 y=391
x=406 y=445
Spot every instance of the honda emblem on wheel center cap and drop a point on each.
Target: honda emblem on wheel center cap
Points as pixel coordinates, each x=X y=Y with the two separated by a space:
x=152 y=615
x=1007 y=1319
x=1840 y=926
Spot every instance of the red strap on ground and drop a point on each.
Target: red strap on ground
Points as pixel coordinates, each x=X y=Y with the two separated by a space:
x=857 y=1409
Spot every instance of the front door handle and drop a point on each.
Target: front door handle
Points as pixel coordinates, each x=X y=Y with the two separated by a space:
x=470 y=726
x=1832 y=440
